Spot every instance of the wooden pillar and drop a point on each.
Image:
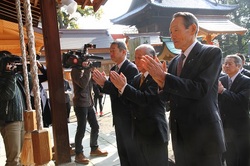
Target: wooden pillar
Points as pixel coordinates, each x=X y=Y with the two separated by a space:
x=55 y=81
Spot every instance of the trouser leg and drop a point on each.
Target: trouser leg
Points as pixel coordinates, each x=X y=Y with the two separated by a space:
x=81 y=116
x=13 y=134
x=94 y=128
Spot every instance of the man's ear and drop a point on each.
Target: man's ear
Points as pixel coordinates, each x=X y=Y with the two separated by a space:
x=193 y=29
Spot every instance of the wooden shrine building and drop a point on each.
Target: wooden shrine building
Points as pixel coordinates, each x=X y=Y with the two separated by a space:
x=155 y=16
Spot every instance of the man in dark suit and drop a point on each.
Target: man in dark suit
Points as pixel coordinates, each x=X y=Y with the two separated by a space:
x=195 y=123
x=234 y=109
x=121 y=111
x=148 y=110
x=243 y=70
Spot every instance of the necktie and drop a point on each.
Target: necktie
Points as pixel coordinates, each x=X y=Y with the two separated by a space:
x=142 y=79
x=116 y=68
x=229 y=83
x=180 y=64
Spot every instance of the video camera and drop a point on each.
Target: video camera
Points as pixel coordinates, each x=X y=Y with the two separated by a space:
x=74 y=59
x=15 y=61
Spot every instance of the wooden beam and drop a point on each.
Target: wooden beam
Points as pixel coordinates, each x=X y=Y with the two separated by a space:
x=55 y=81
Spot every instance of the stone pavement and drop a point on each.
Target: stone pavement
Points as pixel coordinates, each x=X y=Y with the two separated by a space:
x=106 y=140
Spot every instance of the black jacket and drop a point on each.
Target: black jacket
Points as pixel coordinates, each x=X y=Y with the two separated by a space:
x=193 y=100
x=120 y=107
x=234 y=104
x=148 y=110
x=12 y=98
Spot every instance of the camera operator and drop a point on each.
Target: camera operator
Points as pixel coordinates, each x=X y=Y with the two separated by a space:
x=12 y=106
x=85 y=111
x=45 y=103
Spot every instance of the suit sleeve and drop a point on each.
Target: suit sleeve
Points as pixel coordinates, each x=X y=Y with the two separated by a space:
x=240 y=97
x=139 y=97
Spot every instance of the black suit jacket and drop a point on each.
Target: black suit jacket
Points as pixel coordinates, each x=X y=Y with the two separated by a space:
x=245 y=72
x=148 y=110
x=120 y=107
x=234 y=104
x=194 y=115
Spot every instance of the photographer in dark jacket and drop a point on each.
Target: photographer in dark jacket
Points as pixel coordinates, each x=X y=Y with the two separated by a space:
x=85 y=111
x=12 y=106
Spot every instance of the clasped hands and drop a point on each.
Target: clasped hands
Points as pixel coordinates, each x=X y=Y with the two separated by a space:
x=156 y=69
x=119 y=81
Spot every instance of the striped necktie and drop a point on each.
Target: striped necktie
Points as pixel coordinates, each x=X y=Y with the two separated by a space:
x=142 y=79
x=180 y=64
x=230 y=82
x=116 y=68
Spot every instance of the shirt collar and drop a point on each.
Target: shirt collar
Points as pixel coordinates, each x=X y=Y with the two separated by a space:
x=120 y=64
x=145 y=74
x=188 y=50
x=233 y=78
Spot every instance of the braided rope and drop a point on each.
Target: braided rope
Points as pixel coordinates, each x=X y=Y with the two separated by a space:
x=24 y=59
x=33 y=66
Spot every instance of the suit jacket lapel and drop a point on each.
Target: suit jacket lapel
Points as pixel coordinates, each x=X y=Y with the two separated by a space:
x=173 y=68
x=137 y=81
x=191 y=59
x=143 y=84
x=235 y=82
x=123 y=66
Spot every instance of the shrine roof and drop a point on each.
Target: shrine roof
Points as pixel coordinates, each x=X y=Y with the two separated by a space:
x=200 y=7
x=194 y=4
x=75 y=39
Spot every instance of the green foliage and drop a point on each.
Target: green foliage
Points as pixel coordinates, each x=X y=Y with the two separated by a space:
x=66 y=21
x=233 y=43
x=88 y=11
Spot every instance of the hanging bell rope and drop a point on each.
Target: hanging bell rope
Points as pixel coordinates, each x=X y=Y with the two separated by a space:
x=27 y=155
x=33 y=66
x=40 y=137
x=24 y=57
x=32 y=138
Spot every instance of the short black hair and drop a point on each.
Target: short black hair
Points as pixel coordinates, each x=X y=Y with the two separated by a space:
x=188 y=18
x=120 y=44
x=4 y=53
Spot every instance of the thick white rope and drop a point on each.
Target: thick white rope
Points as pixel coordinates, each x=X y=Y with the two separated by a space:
x=24 y=59
x=33 y=66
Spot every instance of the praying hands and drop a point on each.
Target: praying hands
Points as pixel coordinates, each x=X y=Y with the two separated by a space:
x=156 y=69
x=119 y=80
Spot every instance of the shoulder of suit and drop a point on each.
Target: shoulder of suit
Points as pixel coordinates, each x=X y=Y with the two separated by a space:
x=244 y=76
x=246 y=72
x=208 y=47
